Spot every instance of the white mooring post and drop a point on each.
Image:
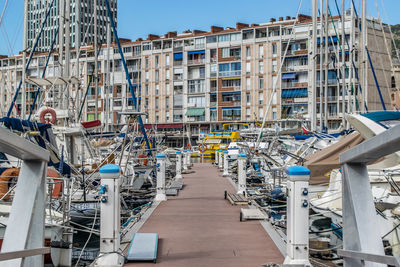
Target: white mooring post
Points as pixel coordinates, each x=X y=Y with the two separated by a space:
x=110 y=217
x=189 y=158
x=216 y=157
x=185 y=163
x=178 y=165
x=242 y=174
x=297 y=217
x=220 y=159
x=226 y=165
x=160 y=165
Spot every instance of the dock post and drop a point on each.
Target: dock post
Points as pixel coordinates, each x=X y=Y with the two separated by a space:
x=220 y=160
x=216 y=157
x=160 y=165
x=226 y=165
x=242 y=174
x=178 y=165
x=189 y=158
x=185 y=166
x=297 y=251
x=110 y=253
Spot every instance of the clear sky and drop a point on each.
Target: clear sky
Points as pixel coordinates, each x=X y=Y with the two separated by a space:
x=139 y=18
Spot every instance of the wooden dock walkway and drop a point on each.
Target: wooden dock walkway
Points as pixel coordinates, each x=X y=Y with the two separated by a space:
x=200 y=228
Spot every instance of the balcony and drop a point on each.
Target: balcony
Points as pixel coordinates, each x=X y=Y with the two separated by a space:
x=196 y=89
x=230 y=73
x=213 y=104
x=294 y=84
x=213 y=89
x=199 y=61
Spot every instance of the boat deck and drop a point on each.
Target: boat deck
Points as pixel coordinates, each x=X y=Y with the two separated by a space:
x=200 y=228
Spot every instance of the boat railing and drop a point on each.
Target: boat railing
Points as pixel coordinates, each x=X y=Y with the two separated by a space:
x=24 y=234
x=362 y=240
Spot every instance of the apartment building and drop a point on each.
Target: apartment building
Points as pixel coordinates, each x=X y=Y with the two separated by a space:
x=205 y=79
x=81 y=22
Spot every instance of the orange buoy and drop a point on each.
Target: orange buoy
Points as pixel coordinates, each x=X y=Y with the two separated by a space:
x=46 y=111
x=145 y=159
x=5 y=178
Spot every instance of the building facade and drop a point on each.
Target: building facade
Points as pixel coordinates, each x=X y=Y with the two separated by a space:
x=205 y=79
x=81 y=22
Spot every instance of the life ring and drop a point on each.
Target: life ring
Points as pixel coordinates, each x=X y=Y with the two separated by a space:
x=188 y=146
x=202 y=147
x=58 y=183
x=46 y=111
x=145 y=159
x=5 y=178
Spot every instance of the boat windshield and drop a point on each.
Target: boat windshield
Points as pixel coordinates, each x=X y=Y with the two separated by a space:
x=213 y=141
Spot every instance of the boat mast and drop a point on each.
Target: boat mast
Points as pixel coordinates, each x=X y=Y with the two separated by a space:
x=313 y=110
x=364 y=54
x=326 y=45
x=23 y=97
x=67 y=52
x=344 y=94
x=95 y=62
x=321 y=63
x=108 y=85
x=61 y=49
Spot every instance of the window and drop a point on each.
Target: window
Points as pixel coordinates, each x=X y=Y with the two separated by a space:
x=223 y=38
x=157 y=59
x=146 y=46
x=231 y=83
x=230 y=69
x=157 y=89
x=212 y=39
x=248 y=99
x=261 y=83
x=146 y=62
x=261 y=51
x=167 y=102
x=213 y=115
x=167 y=75
x=225 y=52
x=231 y=114
x=260 y=113
x=260 y=98
x=274 y=49
x=199 y=42
x=234 y=52
x=274 y=65
x=167 y=89
x=197 y=101
x=146 y=75
x=248 y=67
x=167 y=60
x=261 y=66
x=248 y=84
x=248 y=51
x=157 y=75
x=235 y=36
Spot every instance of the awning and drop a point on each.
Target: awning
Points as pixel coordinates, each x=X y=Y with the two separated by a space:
x=231 y=93
x=194 y=112
x=231 y=108
x=178 y=56
x=332 y=39
x=286 y=76
x=170 y=126
x=196 y=52
x=294 y=93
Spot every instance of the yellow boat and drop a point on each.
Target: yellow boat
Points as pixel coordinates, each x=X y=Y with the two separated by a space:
x=218 y=140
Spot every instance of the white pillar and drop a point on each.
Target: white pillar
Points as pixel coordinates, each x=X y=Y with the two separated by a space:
x=110 y=217
x=242 y=174
x=185 y=166
x=297 y=217
x=178 y=165
x=189 y=157
x=216 y=157
x=220 y=160
x=226 y=165
x=160 y=196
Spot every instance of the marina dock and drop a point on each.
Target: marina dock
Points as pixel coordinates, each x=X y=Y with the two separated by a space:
x=200 y=228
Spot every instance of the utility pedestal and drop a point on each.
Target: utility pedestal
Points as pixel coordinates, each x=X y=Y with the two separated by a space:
x=110 y=253
x=185 y=166
x=226 y=165
x=242 y=174
x=297 y=251
x=216 y=157
x=220 y=159
x=160 y=165
x=178 y=165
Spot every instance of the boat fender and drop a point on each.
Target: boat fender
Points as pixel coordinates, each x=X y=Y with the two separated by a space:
x=46 y=111
x=145 y=159
x=5 y=178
